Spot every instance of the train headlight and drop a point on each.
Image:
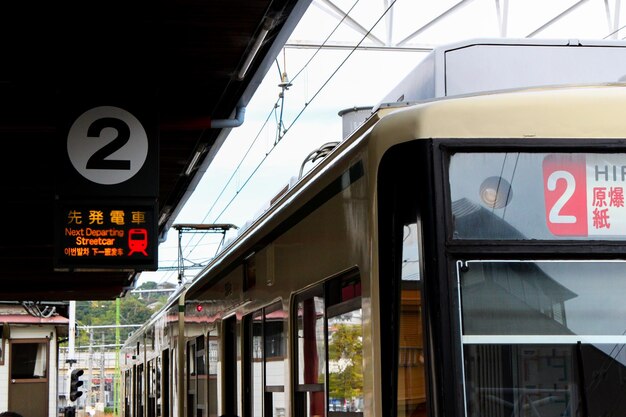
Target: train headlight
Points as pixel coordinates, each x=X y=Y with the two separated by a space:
x=496 y=192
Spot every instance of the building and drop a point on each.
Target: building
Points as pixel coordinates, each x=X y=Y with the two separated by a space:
x=29 y=346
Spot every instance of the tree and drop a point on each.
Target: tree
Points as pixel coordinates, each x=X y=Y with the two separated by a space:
x=345 y=354
x=102 y=313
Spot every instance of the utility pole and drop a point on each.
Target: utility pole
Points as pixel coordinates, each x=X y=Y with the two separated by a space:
x=102 y=356
x=71 y=359
x=117 y=375
x=90 y=367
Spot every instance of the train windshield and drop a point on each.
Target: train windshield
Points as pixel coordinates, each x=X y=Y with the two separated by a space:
x=543 y=338
x=548 y=196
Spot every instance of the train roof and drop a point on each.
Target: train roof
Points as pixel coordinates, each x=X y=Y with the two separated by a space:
x=556 y=112
x=494 y=64
x=567 y=111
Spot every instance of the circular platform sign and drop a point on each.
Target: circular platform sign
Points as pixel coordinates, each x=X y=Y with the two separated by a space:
x=107 y=145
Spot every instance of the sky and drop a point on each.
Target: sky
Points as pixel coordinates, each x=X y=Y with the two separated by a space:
x=259 y=158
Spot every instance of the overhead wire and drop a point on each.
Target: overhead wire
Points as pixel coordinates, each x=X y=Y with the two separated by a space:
x=317 y=92
x=614 y=32
x=341 y=64
x=273 y=110
x=279 y=122
x=174 y=267
x=319 y=48
x=306 y=104
x=234 y=172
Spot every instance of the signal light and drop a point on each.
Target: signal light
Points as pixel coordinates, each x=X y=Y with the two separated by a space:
x=75 y=384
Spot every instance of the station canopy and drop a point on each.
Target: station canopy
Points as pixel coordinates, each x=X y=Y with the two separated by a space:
x=184 y=70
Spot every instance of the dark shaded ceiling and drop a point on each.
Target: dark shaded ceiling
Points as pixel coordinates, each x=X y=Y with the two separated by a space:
x=176 y=60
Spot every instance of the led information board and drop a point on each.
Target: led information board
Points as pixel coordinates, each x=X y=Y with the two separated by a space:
x=107 y=193
x=106 y=235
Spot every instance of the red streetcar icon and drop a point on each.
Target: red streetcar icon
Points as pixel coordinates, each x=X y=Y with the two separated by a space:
x=138 y=241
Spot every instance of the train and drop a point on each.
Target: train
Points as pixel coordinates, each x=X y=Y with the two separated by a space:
x=461 y=252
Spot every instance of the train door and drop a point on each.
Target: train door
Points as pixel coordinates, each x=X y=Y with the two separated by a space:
x=196 y=378
x=139 y=391
x=264 y=359
x=158 y=384
x=191 y=378
x=213 y=355
x=231 y=370
x=201 y=381
x=28 y=376
x=311 y=354
x=165 y=383
x=128 y=393
x=151 y=388
x=344 y=339
x=329 y=352
x=401 y=285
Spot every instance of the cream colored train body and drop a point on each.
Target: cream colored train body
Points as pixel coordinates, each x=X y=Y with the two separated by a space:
x=460 y=256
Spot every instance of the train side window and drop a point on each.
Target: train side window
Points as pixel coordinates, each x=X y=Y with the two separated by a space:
x=330 y=349
x=411 y=379
x=191 y=378
x=175 y=365
x=128 y=389
x=139 y=391
x=196 y=378
x=201 y=375
x=311 y=354
x=345 y=358
x=213 y=346
x=157 y=385
x=151 y=388
x=274 y=349
x=401 y=287
x=265 y=356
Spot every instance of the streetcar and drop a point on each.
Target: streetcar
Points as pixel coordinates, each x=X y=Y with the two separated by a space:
x=455 y=255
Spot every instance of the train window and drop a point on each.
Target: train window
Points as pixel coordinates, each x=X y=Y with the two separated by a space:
x=151 y=388
x=545 y=337
x=201 y=378
x=157 y=386
x=311 y=354
x=345 y=361
x=274 y=350
x=411 y=379
x=330 y=349
x=175 y=364
x=401 y=283
x=254 y=358
x=548 y=196
x=265 y=356
x=127 y=393
x=191 y=378
x=139 y=391
x=196 y=378
x=249 y=272
x=213 y=346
